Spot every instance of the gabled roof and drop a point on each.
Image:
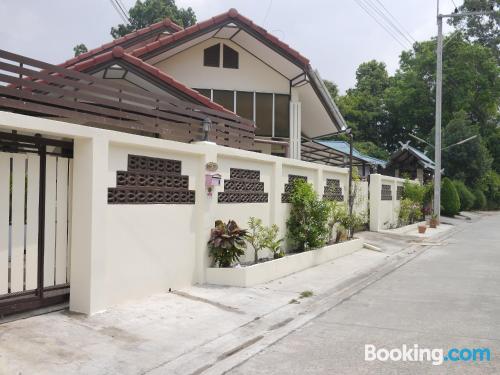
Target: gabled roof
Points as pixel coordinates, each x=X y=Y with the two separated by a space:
x=231 y=16
x=130 y=41
x=420 y=157
x=344 y=148
x=118 y=54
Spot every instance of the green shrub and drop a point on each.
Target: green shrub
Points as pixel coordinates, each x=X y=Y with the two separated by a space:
x=308 y=223
x=490 y=185
x=227 y=243
x=466 y=196
x=262 y=237
x=480 y=199
x=450 y=201
x=409 y=212
x=414 y=191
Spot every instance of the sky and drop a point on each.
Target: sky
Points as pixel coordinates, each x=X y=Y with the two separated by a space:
x=336 y=35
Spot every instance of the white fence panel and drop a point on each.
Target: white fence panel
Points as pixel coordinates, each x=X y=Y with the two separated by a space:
x=32 y=221
x=50 y=222
x=61 y=220
x=17 y=219
x=4 y=221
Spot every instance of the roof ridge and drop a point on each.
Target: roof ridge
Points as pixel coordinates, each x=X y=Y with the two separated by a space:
x=167 y=22
x=230 y=14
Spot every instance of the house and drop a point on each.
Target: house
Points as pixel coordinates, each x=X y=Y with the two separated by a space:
x=226 y=62
x=411 y=162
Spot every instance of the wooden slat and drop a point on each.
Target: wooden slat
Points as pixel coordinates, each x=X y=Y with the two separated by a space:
x=56 y=91
x=32 y=221
x=61 y=220
x=4 y=221
x=50 y=222
x=17 y=251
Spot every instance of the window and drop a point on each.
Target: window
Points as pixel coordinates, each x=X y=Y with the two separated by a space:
x=230 y=58
x=211 y=56
x=264 y=114
x=244 y=104
x=225 y=98
x=204 y=92
x=281 y=115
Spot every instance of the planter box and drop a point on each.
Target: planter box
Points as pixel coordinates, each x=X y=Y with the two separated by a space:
x=274 y=269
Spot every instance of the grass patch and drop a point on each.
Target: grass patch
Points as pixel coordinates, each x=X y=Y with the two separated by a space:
x=306 y=294
x=293 y=301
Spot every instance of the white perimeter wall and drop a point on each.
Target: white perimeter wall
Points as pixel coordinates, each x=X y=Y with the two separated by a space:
x=123 y=252
x=383 y=213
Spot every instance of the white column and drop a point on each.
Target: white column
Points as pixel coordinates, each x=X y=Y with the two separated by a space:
x=295 y=129
x=375 y=201
x=88 y=237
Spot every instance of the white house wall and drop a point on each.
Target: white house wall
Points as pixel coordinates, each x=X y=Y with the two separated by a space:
x=124 y=252
x=252 y=74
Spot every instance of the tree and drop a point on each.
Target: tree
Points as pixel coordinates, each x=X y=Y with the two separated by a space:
x=332 y=88
x=79 y=49
x=147 y=12
x=472 y=154
x=363 y=106
x=484 y=30
x=450 y=201
x=371 y=149
x=493 y=142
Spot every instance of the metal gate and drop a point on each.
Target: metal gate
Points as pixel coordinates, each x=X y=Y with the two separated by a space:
x=35 y=212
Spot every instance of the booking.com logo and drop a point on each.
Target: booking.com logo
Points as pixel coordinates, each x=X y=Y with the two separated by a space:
x=435 y=356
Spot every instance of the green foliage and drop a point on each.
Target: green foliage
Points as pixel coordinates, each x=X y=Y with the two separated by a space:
x=409 y=212
x=226 y=243
x=484 y=29
x=308 y=223
x=332 y=88
x=342 y=221
x=371 y=149
x=466 y=196
x=79 y=49
x=414 y=192
x=493 y=142
x=147 y=12
x=490 y=185
x=450 y=201
x=473 y=154
x=480 y=199
x=262 y=237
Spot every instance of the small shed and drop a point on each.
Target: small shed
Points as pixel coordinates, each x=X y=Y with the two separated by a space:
x=411 y=162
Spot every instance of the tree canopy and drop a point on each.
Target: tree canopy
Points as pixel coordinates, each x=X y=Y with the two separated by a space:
x=147 y=12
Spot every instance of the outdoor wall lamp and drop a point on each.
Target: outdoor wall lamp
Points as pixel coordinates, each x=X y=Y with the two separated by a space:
x=207 y=126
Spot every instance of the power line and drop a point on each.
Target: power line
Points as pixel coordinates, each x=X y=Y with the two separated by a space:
x=388 y=20
x=122 y=8
x=122 y=16
x=395 y=19
x=391 y=34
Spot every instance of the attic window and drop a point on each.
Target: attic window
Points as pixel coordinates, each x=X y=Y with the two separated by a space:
x=230 y=58
x=211 y=56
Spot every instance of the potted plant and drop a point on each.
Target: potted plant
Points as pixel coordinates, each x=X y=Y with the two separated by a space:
x=433 y=222
x=422 y=228
x=227 y=243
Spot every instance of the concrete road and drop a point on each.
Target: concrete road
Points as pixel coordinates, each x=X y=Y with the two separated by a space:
x=448 y=297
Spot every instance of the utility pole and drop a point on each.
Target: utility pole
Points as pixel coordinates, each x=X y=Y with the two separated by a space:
x=439 y=97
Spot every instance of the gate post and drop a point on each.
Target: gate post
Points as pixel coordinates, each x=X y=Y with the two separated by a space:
x=90 y=166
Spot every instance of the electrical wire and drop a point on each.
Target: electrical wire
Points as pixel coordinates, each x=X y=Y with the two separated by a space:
x=391 y=34
x=395 y=19
x=122 y=16
x=388 y=20
x=123 y=9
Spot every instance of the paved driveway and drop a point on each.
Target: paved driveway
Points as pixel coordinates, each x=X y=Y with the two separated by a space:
x=448 y=297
